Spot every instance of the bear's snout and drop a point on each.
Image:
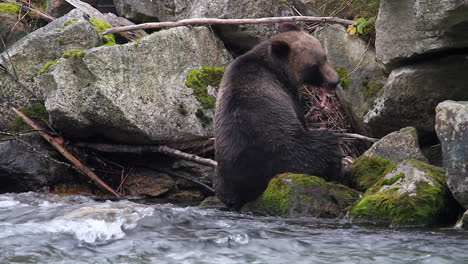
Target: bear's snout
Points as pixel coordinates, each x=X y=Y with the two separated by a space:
x=331 y=77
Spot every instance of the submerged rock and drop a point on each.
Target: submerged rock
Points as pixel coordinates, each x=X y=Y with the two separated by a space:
x=413 y=193
x=412 y=92
x=24 y=167
x=362 y=78
x=452 y=130
x=293 y=195
x=398 y=39
x=160 y=88
x=398 y=146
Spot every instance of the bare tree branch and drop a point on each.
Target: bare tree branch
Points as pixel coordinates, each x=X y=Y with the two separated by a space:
x=361 y=137
x=149 y=148
x=28 y=7
x=220 y=21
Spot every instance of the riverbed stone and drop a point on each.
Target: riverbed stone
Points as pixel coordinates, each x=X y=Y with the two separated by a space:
x=296 y=195
x=362 y=77
x=452 y=130
x=398 y=146
x=398 y=41
x=411 y=94
x=161 y=88
x=441 y=14
x=23 y=169
x=413 y=193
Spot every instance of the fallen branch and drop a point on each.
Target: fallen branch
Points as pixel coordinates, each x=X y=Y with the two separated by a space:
x=57 y=143
x=28 y=7
x=190 y=179
x=361 y=137
x=220 y=21
x=148 y=148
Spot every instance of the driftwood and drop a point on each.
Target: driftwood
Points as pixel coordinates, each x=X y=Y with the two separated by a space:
x=57 y=143
x=220 y=21
x=149 y=148
x=110 y=18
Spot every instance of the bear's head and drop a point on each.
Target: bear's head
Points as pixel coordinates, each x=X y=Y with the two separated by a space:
x=303 y=57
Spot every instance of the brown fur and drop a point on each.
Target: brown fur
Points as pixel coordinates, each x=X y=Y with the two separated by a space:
x=259 y=121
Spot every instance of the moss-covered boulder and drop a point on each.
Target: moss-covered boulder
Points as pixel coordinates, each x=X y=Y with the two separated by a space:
x=291 y=195
x=212 y=202
x=413 y=193
x=366 y=171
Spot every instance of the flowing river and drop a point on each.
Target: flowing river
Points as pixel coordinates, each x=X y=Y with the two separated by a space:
x=45 y=228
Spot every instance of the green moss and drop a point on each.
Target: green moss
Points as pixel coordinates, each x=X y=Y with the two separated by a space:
x=182 y=110
x=371 y=89
x=366 y=171
x=204 y=119
x=35 y=112
x=390 y=206
x=10 y=8
x=393 y=179
x=170 y=12
x=74 y=53
x=100 y=25
x=60 y=41
x=199 y=80
x=69 y=22
x=344 y=77
x=47 y=66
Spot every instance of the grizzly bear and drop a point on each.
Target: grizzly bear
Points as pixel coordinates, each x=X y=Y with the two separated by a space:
x=259 y=121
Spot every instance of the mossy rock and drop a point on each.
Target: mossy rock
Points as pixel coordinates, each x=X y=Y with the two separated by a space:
x=292 y=195
x=366 y=171
x=212 y=202
x=36 y=112
x=100 y=25
x=413 y=193
x=199 y=80
x=10 y=8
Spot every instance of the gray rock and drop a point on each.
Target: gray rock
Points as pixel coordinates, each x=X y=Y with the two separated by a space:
x=452 y=130
x=22 y=169
x=398 y=146
x=398 y=40
x=135 y=93
x=31 y=53
x=362 y=77
x=150 y=11
x=412 y=93
x=305 y=7
x=463 y=222
x=413 y=193
x=441 y=14
x=11 y=29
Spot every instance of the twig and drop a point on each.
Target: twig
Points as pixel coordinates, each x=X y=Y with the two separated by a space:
x=235 y=21
x=148 y=148
x=28 y=7
x=190 y=179
x=361 y=137
x=57 y=143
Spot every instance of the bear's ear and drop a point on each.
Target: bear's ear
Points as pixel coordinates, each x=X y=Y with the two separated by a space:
x=280 y=48
x=285 y=27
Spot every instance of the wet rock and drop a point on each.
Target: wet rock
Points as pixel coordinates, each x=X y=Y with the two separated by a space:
x=148 y=182
x=362 y=78
x=11 y=30
x=22 y=169
x=30 y=54
x=413 y=193
x=212 y=202
x=367 y=170
x=463 y=222
x=398 y=39
x=293 y=195
x=398 y=146
x=160 y=88
x=441 y=15
x=452 y=130
x=412 y=92
x=202 y=173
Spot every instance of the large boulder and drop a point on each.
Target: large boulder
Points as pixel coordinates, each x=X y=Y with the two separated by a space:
x=362 y=78
x=412 y=92
x=441 y=15
x=413 y=193
x=293 y=195
x=150 y=11
x=24 y=165
x=30 y=54
x=452 y=130
x=160 y=88
x=398 y=146
x=398 y=41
